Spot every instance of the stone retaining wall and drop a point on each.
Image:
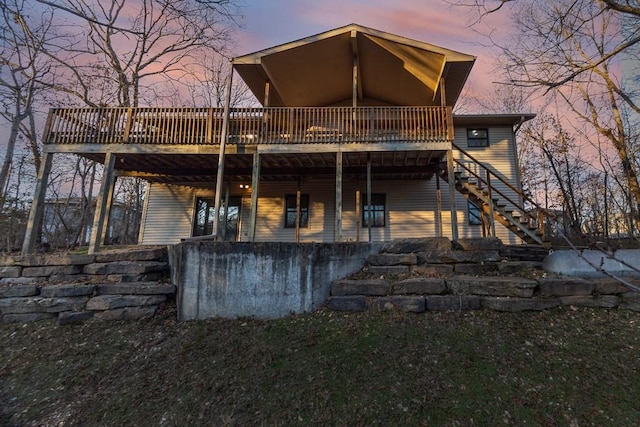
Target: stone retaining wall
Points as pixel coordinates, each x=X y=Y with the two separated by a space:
x=113 y=285
x=415 y=275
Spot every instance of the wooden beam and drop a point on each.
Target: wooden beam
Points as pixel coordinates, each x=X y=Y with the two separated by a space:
x=452 y=195
x=443 y=95
x=226 y=210
x=103 y=204
x=37 y=206
x=324 y=147
x=357 y=75
x=107 y=213
x=338 y=219
x=369 y=187
x=143 y=219
x=298 y=197
x=224 y=133
x=255 y=184
x=358 y=213
x=267 y=93
x=294 y=171
x=438 y=207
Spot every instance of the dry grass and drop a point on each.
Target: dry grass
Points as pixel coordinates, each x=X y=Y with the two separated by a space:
x=560 y=367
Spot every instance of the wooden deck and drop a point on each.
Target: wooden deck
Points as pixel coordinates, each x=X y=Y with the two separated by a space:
x=248 y=126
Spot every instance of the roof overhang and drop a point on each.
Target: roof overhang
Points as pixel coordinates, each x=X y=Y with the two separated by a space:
x=484 y=120
x=319 y=70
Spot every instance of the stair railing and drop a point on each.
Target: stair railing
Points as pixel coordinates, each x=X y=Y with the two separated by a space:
x=543 y=215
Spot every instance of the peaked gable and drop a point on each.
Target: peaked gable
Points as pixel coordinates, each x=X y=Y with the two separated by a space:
x=319 y=70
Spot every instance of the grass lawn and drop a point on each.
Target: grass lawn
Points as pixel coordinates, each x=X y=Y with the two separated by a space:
x=566 y=367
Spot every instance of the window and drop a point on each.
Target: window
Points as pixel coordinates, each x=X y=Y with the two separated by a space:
x=475 y=214
x=205 y=213
x=290 y=211
x=378 y=208
x=477 y=138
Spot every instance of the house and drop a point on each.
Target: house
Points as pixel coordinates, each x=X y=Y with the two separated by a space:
x=355 y=140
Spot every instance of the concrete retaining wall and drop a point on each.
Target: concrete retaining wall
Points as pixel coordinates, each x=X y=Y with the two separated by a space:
x=621 y=263
x=261 y=280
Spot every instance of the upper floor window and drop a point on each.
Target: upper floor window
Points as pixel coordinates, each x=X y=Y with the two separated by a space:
x=477 y=137
x=291 y=209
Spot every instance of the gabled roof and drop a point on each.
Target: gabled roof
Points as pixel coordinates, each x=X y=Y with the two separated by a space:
x=318 y=70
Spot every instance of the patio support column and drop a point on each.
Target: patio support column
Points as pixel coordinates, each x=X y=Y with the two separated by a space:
x=226 y=211
x=255 y=184
x=438 y=207
x=224 y=133
x=369 y=211
x=267 y=93
x=338 y=222
x=37 y=207
x=145 y=208
x=103 y=204
x=452 y=195
x=298 y=197
x=358 y=207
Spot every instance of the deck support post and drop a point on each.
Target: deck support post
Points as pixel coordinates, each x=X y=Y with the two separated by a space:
x=338 y=221
x=452 y=194
x=358 y=211
x=298 y=211
x=438 y=207
x=224 y=133
x=255 y=184
x=225 y=218
x=369 y=210
x=37 y=207
x=103 y=205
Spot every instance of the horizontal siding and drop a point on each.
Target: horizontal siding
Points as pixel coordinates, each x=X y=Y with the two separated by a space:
x=411 y=205
x=411 y=212
x=169 y=214
x=270 y=218
x=501 y=157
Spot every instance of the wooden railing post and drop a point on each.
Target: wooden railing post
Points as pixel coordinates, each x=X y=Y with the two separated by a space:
x=209 y=136
x=452 y=195
x=492 y=224
x=127 y=126
x=541 y=224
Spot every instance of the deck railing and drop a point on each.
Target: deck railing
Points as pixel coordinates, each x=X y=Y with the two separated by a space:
x=150 y=125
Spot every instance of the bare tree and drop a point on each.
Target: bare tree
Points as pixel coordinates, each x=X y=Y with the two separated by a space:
x=130 y=45
x=119 y=52
x=570 y=49
x=21 y=67
x=205 y=83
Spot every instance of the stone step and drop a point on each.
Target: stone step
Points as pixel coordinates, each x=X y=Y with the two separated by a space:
x=466 y=292
x=458 y=285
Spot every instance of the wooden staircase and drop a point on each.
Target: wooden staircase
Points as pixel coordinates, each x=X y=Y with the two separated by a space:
x=498 y=200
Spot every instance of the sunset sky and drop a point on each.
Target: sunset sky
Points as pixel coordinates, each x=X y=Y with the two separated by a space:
x=269 y=23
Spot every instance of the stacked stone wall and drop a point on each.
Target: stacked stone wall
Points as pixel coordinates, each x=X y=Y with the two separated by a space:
x=416 y=275
x=72 y=288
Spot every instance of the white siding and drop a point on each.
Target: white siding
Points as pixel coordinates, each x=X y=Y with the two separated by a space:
x=169 y=214
x=501 y=158
x=411 y=205
x=270 y=221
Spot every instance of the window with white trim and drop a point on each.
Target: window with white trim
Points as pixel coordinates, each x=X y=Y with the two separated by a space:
x=477 y=137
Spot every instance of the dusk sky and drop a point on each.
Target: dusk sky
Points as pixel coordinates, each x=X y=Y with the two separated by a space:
x=270 y=23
